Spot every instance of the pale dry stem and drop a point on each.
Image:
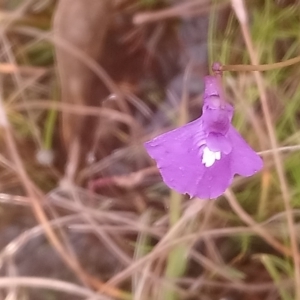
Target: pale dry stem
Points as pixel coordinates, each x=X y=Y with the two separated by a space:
x=79 y=110
x=188 y=9
x=11 y=68
x=46 y=283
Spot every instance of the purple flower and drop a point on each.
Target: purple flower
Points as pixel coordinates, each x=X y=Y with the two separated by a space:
x=202 y=157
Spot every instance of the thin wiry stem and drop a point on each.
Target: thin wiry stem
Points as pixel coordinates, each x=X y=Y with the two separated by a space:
x=241 y=13
x=261 y=68
x=80 y=110
x=187 y=8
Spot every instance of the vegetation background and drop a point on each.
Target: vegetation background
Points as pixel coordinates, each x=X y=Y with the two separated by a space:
x=84 y=213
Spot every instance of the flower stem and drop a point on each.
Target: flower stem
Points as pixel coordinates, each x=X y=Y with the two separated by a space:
x=176 y=261
x=175 y=208
x=49 y=128
x=264 y=67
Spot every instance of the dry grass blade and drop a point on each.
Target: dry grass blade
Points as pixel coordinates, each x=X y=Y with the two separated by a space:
x=80 y=110
x=188 y=9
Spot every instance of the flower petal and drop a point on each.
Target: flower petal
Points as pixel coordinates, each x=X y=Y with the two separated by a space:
x=216 y=120
x=218 y=143
x=178 y=154
x=211 y=86
x=216 y=179
x=245 y=161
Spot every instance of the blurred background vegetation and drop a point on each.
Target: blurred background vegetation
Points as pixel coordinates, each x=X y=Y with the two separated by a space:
x=84 y=213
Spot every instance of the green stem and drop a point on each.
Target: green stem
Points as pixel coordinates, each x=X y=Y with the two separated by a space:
x=175 y=208
x=49 y=128
x=50 y=124
x=176 y=262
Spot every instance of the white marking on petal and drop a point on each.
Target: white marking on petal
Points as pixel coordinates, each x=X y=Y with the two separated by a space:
x=218 y=155
x=209 y=157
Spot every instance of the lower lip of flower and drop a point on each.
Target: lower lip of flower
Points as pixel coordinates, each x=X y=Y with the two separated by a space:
x=209 y=157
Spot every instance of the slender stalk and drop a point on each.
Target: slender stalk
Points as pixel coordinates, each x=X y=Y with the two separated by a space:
x=50 y=125
x=175 y=208
x=261 y=68
x=175 y=262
